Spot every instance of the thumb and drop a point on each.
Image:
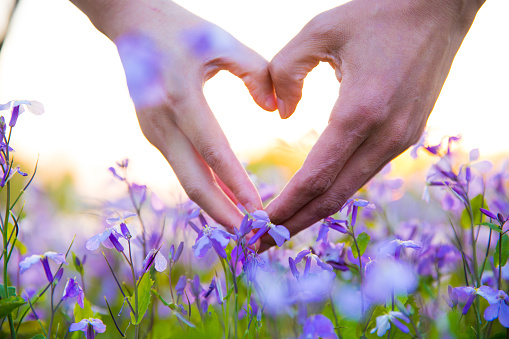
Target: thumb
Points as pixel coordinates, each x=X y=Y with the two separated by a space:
x=291 y=65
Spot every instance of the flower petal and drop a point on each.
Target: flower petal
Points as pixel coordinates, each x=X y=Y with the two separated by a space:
x=491 y=312
x=160 y=262
x=26 y=263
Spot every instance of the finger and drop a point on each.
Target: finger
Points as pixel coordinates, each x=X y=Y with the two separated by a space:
x=253 y=69
x=195 y=176
x=346 y=131
x=195 y=119
x=369 y=159
x=290 y=66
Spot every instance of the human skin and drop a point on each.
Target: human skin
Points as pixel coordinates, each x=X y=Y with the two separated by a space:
x=182 y=126
x=392 y=58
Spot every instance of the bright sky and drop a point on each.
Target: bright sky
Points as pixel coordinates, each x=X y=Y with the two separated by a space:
x=54 y=55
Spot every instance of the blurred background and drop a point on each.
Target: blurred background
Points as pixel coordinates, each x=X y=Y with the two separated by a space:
x=54 y=55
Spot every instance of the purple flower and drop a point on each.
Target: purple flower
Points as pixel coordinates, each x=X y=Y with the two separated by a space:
x=8 y=175
x=394 y=248
x=143 y=66
x=498 y=308
x=318 y=326
x=462 y=294
x=279 y=233
x=352 y=205
x=26 y=263
x=19 y=106
x=385 y=277
x=175 y=256
x=73 y=290
x=89 y=326
x=245 y=227
x=338 y=225
x=111 y=235
x=211 y=236
x=154 y=256
x=499 y=217
x=383 y=323
x=181 y=285
x=333 y=254
x=310 y=255
x=206 y=40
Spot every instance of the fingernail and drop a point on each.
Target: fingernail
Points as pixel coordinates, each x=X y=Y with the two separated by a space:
x=271 y=102
x=281 y=108
x=250 y=207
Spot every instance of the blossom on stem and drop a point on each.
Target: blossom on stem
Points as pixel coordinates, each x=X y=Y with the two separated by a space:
x=338 y=225
x=279 y=233
x=308 y=254
x=352 y=206
x=73 y=290
x=499 y=307
x=26 y=263
x=19 y=106
x=394 y=248
x=111 y=235
x=383 y=323
x=89 y=326
x=463 y=294
x=154 y=256
x=208 y=237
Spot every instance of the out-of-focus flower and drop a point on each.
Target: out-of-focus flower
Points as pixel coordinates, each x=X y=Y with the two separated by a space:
x=352 y=205
x=333 y=254
x=143 y=66
x=181 y=285
x=19 y=106
x=89 y=326
x=348 y=301
x=383 y=323
x=279 y=233
x=58 y=258
x=175 y=256
x=498 y=308
x=338 y=225
x=73 y=290
x=318 y=326
x=385 y=277
x=207 y=40
x=393 y=248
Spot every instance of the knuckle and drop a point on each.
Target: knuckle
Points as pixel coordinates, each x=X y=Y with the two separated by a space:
x=317 y=185
x=212 y=155
x=327 y=207
x=194 y=192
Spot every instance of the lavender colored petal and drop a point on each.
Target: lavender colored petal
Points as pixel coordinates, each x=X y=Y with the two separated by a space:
x=179 y=251
x=339 y=228
x=399 y=325
x=94 y=242
x=160 y=262
x=115 y=174
x=222 y=237
x=260 y=215
x=98 y=325
x=489 y=294
x=202 y=245
x=59 y=258
x=181 y=284
x=382 y=325
x=307 y=267
x=259 y=223
x=491 y=312
x=468 y=304
x=219 y=248
x=323 y=265
x=293 y=268
x=503 y=314
x=400 y=316
x=26 y=263
x=301 y=255
x=322 y=233
x=354 y=214
x=118 y=246
x=80 y=326
x=258 y=234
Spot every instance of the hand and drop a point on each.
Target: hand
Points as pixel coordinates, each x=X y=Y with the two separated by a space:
x=181 y=124
x=392 y=58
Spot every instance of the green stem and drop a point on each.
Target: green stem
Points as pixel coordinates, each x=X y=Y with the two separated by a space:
x=474 y=245
x=135 y=286
x=360 y=269
x=500 y=262
x=52 y=313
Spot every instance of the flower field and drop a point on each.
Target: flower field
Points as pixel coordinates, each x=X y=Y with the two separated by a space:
x=422 y=258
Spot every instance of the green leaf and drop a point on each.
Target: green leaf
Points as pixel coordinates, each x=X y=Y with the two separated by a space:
x=476 y=203
x=505 y=251
x=11 y=290
x=144 y=288
x=20 y=246
x=183 y=319
x=493 y=226
x=7 y=305
x=362 y=242
x=39 y=336
x=83 y=313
